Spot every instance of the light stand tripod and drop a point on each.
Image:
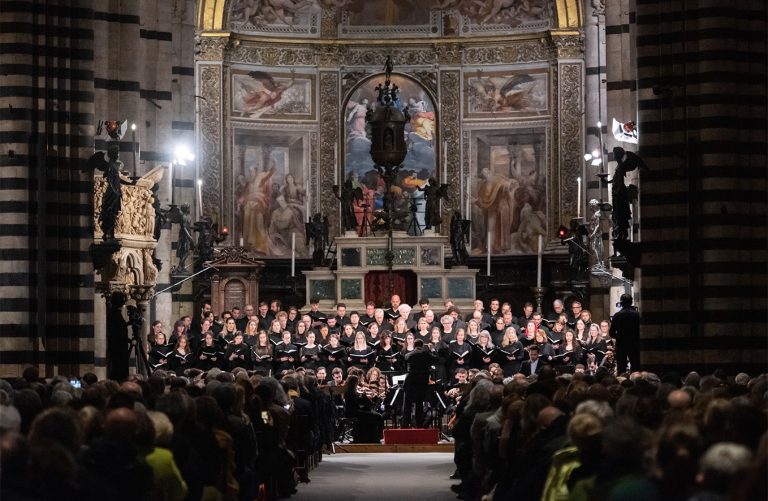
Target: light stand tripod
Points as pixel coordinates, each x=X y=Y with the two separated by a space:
x=365 y=226
x=136 y=321
x=414 y=223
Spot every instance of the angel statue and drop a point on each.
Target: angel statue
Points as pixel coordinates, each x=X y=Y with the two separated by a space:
x=112 y=200
x=180 y=215
x=349 y=193
x=623 y=195
x=317 y=230
x=459 y=238
x=207 y=236
x=433 y=192
x=595 y=235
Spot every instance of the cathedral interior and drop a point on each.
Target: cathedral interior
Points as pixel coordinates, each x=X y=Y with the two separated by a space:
x=598 y=147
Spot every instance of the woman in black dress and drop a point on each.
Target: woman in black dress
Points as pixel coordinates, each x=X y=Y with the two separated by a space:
x=333 y=355
x=275 y=333
x=286 y=354
x=347 y=338
x=300 y=337
x=484 y=352
x=161 y=353
x=182 y=358
x=227 y=334
x=510 y=353
x=251 y=334
x=361 y=355
x=569 y=353
x=423 y=331
x=472 y=334
x=595 y=344
x=460 y=353
x=309 y=354
x=373 y=337
x=441 y=349
x=262 y=353
x=407 y=348
x=209 y=354
x=387 y=356
x=546 y=353
x=238 y=353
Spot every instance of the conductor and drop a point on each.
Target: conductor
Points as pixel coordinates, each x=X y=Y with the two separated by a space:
x=419 y=362
x=625 y=329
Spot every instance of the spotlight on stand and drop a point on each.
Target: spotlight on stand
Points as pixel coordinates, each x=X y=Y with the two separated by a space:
x=562 y=234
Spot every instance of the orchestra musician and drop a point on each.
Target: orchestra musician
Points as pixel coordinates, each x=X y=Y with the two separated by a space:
x=357 y=406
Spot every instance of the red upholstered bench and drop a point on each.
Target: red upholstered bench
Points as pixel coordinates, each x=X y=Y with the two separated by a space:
x=411 y=436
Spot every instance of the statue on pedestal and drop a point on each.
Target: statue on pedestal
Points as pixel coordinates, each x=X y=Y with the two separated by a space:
x=111 y=201
x=595 y=235
x=180 y=216
x=623 y=194
x=349 y=193
x=459 y=238
x=317 y=231
x=433 y=192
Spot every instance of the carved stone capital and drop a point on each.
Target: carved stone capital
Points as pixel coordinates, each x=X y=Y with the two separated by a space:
x=211 y=48
x=568 y=46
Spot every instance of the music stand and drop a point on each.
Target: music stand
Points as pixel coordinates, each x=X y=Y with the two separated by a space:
x=365 y=226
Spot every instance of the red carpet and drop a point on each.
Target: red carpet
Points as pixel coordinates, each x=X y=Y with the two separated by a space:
x=411 y=436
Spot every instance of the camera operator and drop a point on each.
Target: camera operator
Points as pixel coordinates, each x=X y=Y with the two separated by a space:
x=625 y=329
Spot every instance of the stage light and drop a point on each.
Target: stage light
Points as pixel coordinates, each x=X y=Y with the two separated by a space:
x=182 y=155
x=562 y=234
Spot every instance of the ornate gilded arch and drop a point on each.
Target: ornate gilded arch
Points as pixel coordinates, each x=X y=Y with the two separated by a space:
x=213 y=14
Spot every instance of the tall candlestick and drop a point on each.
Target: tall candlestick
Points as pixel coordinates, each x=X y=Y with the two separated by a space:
x=488 y=258
x=293 y=254
x=538 y=264
x=336 y=165
x=578 y=197
x=445 y=162
x=242 y=242
x=133 y=147
x=199 y=198
x=170 y=180
x=306 y=196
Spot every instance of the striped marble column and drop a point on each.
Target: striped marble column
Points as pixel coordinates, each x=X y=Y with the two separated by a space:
x=46 y=125
x=701 y=70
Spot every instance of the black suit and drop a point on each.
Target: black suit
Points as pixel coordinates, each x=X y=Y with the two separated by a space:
x=625 y=329
x=526 y=367
x=416 y=383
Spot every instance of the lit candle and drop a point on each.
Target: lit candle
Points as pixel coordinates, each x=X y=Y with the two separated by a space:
x=293 y=254
x=488 y=258
x=578 y=197
x=538 y=264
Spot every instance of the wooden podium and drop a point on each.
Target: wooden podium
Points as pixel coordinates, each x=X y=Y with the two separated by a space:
x=235 y=281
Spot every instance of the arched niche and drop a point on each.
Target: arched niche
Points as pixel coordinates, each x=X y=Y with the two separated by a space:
x=425 y=150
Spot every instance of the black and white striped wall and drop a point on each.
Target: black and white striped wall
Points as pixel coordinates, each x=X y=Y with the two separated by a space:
x=701 y=95
x=65 y=65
